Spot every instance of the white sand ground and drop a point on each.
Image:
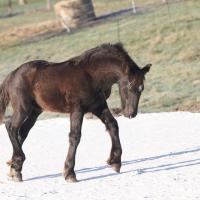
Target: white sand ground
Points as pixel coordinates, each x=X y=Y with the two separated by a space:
x=161 y=160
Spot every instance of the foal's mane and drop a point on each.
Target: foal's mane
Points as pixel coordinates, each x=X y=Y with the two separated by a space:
x=105 y=49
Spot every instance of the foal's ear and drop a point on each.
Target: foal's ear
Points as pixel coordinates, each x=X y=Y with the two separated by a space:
x=146 y=68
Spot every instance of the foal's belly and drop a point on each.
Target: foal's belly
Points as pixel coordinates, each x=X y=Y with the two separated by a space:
x=51 y=100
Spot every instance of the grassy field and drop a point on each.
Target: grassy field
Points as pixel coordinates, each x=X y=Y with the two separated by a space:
x=101 y=6
x=166 y=37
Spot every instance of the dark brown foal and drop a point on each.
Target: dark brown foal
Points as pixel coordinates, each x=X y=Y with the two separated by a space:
x=77 y=86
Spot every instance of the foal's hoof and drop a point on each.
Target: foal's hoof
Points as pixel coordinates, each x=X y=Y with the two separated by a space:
x=71 y=179
x=116 y=167
x=15 y=176
x=17 y=179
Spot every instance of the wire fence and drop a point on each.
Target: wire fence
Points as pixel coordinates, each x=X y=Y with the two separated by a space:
x=12 y=7
x=122 y=18
x=120 y=21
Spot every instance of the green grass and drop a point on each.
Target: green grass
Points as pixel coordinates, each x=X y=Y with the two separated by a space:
x=168 y=40
x=16 y=8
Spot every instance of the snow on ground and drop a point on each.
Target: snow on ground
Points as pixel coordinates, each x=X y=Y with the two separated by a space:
x=161 y=160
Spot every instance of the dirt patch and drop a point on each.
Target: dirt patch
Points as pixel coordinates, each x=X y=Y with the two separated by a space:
x=29 y=31
x=171 y=38
x=192 y=107
x=189 y=55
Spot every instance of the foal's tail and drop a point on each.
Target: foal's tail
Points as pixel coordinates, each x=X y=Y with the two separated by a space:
x=4 y=97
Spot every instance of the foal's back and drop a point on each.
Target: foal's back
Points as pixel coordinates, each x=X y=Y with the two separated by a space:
x=52 y=86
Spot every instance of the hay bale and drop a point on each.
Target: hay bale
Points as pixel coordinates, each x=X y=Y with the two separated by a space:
x=22 y=2
x=74 y=13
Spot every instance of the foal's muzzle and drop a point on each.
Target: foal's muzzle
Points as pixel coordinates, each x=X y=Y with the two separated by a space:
x=130 y=115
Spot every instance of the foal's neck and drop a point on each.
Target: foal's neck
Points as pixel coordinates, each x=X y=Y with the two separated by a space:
x=106 y=75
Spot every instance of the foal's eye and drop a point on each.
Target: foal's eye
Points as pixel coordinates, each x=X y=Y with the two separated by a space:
x=140 y=88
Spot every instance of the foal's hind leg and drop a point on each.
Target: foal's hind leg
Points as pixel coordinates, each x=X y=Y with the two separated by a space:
x=25 y=128
x=13 y=127
x=27 y=125
x=18 y=156
x=110 y=122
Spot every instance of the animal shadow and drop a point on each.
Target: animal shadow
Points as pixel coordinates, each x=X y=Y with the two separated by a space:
x=163 y=167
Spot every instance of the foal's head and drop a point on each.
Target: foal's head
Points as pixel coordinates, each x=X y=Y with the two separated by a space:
x=131 y=89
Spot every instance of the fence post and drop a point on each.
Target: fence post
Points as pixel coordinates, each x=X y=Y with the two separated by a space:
x=166 y=1
x=9 y=7
x=48 y=4
x=134 y=6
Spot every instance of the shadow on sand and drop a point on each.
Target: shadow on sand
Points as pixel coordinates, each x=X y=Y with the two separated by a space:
x=139 y=171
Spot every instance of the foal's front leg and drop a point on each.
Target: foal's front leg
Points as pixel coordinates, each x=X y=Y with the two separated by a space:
x=76 y=119
x=111 y=124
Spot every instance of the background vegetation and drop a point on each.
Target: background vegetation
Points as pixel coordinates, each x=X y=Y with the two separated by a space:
x=165 y=35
